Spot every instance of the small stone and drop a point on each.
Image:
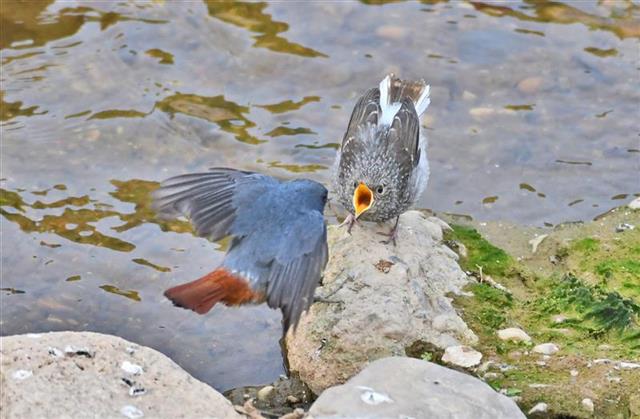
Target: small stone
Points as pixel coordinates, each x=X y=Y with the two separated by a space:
x=538 y=385
x=535 y=242
x=131 y=412
x=514 y=334
x=530 y=84
x=462 y=356
x=605 y=347
x=546 y=348
x=628 y=365
x=574 y=373
x=392 y=32
x=559 y=319
x=602 y=361
x=491 y=376
x=541 y=363
x=635 y=204
x=292 y=399
x=55 y=352
x=372 y=397
x=539 y=408
x=588 y=405
x=468 y=96
x=21 y=374
x=624 y=227
x=131 y=368
x=266 y=392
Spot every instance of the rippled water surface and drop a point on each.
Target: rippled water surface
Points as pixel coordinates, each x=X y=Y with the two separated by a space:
x=534 y=118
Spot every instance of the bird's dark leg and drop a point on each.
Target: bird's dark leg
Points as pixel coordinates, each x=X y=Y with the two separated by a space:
x=349 y=222
x=393 y=234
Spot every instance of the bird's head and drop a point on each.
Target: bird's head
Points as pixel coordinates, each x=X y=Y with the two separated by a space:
x=371 y=195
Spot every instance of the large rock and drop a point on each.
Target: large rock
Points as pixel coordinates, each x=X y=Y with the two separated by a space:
x=388 y=299
x=410 y=388
x=82 y=374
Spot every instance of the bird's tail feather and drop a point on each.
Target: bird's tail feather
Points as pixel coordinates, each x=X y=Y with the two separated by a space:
x=417 y=91
x=218 y=286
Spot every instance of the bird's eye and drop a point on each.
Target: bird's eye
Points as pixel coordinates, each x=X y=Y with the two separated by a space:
x=355 y=184
x=380 y=189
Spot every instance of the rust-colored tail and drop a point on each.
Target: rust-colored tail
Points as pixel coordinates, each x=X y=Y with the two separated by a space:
x=202 y=294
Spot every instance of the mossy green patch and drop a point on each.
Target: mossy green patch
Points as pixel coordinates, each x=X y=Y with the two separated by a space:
x=493 y=260
x=586 y=245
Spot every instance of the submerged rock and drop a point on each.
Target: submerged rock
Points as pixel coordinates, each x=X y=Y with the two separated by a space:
x=102 y=379
x=399 y=387
x=372 y=312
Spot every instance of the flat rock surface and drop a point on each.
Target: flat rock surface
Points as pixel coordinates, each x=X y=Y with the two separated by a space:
x=84 y=374
x=385 y=299
x=399 y=387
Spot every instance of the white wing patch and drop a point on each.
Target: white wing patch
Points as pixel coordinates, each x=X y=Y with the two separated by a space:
x=388 y=110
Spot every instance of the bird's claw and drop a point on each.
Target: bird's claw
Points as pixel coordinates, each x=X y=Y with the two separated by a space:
x=349 y=222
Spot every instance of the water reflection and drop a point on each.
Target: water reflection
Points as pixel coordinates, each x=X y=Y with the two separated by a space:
x=252 y=17
x=100 y=100
x=625 y=24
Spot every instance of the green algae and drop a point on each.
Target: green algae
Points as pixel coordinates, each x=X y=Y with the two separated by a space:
x=494 y=261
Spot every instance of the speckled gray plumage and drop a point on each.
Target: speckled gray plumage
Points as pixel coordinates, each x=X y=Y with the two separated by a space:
x=384 y=146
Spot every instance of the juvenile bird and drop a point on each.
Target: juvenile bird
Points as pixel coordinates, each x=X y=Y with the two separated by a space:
x=279 y=238
x=381 y=168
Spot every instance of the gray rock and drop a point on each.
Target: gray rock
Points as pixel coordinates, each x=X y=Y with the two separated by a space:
x=546 y=348
x=514 y=334
x=539 y=408
x=587 y=404
x=98 y=377
x=266 y=392
x=387 y=298
x=462 y=356
x=635 y=204
x=399 y=387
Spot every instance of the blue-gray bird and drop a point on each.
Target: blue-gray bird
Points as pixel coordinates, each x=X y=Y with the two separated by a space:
x=382 y=168
x=279 y=239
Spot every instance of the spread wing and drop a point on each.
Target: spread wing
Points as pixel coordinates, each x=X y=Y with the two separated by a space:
x=297 y=266
x=209 y=199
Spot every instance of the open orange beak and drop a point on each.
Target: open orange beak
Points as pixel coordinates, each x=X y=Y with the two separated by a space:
x=362 y=199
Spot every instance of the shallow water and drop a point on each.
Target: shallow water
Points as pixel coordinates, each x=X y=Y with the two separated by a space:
x=533 y=119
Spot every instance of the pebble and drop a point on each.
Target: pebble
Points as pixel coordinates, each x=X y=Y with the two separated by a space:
x=546 y=348
x=530 y=84
x=635 y=204
x=491 y=376
x=266 y=392
x=574 y=373
x=539 y=408
x=588 y=405
x=535 y=242
x=514 y=334
x=559 y=319
x=467 y=95
x=392 y=32
x=372 y=397
x=21 y=374
x=131 y=368
x=628 y=365
x=605 y=347
x=624 y=227
x=131 y=412
x=462 y=356
x=292 y=399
